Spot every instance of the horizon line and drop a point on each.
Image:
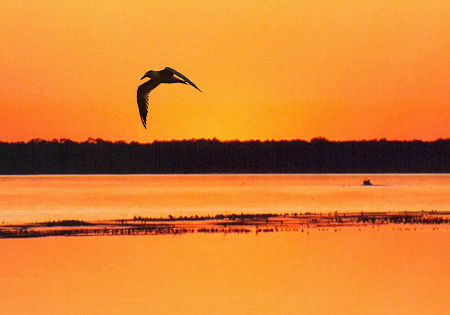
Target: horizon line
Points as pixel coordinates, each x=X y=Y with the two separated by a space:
x=214 y=139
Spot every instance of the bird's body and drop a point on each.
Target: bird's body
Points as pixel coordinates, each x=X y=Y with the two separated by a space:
x=156 y=78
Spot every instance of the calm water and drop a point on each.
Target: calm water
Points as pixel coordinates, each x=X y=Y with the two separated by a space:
x=37 y=198
x=353 y=271
x=367 y=270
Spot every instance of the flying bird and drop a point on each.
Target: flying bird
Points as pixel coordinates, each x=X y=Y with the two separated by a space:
x=156 y=78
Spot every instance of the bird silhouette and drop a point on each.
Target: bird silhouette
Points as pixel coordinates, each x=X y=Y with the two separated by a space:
x=156 y=78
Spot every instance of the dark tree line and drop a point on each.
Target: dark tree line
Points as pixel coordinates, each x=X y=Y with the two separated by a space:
x=319 y=155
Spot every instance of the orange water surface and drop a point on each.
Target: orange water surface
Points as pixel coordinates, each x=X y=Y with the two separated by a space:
x=368 y=270
x=94 y=197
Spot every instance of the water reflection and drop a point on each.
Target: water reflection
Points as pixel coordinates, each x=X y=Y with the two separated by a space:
x=349 y=272
x=40 y=198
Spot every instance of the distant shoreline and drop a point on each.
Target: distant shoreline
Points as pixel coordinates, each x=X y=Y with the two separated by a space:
x=231 y=223
x=318 y=156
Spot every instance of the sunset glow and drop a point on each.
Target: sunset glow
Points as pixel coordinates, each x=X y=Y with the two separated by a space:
x=353 y=271
x=268 y=69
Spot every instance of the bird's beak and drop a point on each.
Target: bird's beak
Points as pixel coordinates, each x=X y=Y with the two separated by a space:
x=144 y=76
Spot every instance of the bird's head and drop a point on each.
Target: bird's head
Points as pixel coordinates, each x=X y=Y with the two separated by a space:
x=148 y=74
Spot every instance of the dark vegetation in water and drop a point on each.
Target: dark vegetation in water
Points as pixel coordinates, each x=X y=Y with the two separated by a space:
x=231 y=217
x=226 y=223
x=319 y=155
x=66 y=223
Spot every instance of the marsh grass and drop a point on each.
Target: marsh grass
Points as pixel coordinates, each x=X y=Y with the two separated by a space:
x=224 y=223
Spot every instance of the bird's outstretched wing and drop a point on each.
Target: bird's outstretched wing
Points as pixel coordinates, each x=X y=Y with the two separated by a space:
x=142 y=99
x=175 y=72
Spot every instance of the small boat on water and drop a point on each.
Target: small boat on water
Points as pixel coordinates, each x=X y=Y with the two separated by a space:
x=367 y=182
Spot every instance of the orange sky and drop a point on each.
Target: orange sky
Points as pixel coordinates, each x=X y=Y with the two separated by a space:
x=268 y=69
